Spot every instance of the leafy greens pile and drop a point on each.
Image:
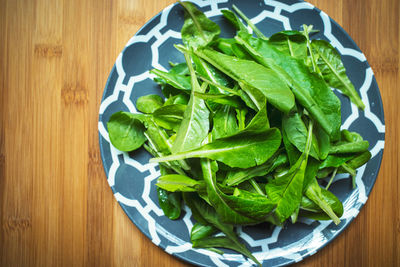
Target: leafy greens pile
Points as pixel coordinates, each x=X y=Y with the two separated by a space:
x=247 y=127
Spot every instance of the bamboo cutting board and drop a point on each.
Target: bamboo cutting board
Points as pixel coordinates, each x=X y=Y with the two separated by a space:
x=56 y=207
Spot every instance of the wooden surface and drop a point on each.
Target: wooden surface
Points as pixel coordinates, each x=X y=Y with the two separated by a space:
x=56 y=207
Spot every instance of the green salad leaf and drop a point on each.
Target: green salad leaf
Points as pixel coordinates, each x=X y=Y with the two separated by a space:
x=248 y=131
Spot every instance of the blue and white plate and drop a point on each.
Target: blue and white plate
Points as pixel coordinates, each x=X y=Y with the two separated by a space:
x=132 y=178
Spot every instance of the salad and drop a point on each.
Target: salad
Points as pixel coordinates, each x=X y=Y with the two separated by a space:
x=248 y=130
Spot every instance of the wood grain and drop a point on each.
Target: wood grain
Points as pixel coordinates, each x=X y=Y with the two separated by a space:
x=56 y=208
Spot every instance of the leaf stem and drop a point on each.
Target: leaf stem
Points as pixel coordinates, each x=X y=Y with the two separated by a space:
x=256 y=186
x=306 y=32
x=248 y=21
x=330 y=180
x=352 y=172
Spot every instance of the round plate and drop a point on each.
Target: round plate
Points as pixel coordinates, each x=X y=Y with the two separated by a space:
x=132 y=179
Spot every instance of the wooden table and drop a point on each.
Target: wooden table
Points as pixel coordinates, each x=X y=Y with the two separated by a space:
x=56 y=206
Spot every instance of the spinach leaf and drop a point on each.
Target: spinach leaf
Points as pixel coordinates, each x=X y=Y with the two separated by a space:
x=296 y=132
x=149 y=103
x=314 y=192
x=351 y=136
x=224 y=122
x=159 y=141
x=170 y=203
x=231 y=48
x=241 y=118
x=177 y=182
x=260 y=121
x=309 y=89
x=315 y=212
x=197 y=29
x=253 y=97
x=232 y=18
x=241 y=207
x=178 y=81
x=206 y=214
x=216 y=196
x=310 y=173
x=157 y=137
x=323 y=140
x=224 y=242
x=358 y=161
x=180 y=68
x=244 y=149
x=231 y=100
x=126 y=131
x=287 y=190
x=170 y=166
x=182 y=99
x=238 y=176
x=353 y=147
x=292 y=152
x=212 y=74
x=224 y=45
x=336 y=160
x=252 y=205
x=170 y=116
x=333 y=71
x=292 y=43
x=252 y=74
x=200 y=231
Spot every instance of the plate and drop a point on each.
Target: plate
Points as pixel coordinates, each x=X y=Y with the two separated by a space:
x=132 y=179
